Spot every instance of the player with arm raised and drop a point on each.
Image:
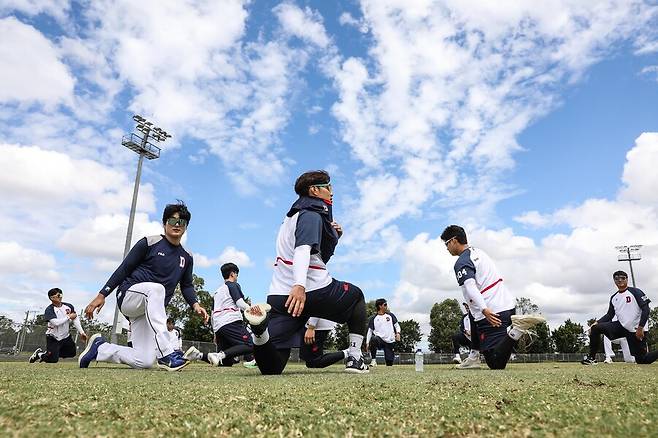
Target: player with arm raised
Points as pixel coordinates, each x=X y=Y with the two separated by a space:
x=59 y=343
x=491 y=303
x=146 y=281
x=631 y=306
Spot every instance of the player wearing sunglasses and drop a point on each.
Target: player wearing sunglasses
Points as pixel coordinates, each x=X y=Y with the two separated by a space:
x=146 y=282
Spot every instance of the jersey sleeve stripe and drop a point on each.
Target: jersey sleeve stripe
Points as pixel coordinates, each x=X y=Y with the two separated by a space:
x=289 y=263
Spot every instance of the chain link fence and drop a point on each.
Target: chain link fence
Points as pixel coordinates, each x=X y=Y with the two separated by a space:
x=19 y=341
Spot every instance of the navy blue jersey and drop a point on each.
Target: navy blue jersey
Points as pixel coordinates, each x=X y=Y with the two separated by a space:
x=309 y=230
x=464 y=267
x=153 y=259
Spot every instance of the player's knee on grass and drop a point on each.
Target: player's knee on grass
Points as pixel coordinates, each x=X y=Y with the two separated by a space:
x=144 y=360
x=495 y=361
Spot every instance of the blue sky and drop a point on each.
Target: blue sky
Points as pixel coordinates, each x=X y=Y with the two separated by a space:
x=534 y=127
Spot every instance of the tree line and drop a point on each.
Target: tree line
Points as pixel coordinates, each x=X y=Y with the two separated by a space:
x=569 y=337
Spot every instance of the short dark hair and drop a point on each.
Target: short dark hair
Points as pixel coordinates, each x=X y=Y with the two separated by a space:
x=454 y=231
x=308 y=179
x=54 y=291
x=227 y=268
x=180 y=208
x=619 y=273
x=169 y=320
x=379 y=303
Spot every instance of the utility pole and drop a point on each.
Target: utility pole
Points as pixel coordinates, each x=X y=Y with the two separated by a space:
x=629 y=253
x=20 y=339
x=144 y=148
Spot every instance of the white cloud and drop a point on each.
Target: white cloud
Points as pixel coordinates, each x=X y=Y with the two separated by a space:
x=58 y=9
x=229 y=254
x=568 y=275
x=16 y=259
x=103 y=237
x=35 y=177
x=304 y=24
x=433 y=113
x=533 y=219
x=32 y=70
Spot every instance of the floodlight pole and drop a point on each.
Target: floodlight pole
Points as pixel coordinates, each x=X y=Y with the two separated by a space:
x=143 y=148
x=628 y=253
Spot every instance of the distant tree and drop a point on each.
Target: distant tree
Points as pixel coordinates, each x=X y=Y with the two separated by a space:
x=524 y=306
x=192 y=326
x=444 y=321
x=330 y=342
x=371 y=309
x=409 y=337
x=569 y=337
x=7 y=333
x=341 y=333
x=6 y=323
x=178 y=309
x=92 y=327
x=542 y=343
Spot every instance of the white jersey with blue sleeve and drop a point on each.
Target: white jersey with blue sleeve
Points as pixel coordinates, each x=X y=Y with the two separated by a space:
x=475 y=264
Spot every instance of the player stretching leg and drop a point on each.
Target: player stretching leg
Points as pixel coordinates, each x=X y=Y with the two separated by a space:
x=631 y=306
x=301 y=287
x=491 y=303
x=231 y=335
x=312 y=350
x=146 y=281
x=59 y=343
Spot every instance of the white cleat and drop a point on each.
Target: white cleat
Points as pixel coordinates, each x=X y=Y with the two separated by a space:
x=255 y=319
x=608 y=360
x=470 y=363
x=457 y=359
x=250 y=364
x=524 y=322
x=216 y=359
x=192 y=354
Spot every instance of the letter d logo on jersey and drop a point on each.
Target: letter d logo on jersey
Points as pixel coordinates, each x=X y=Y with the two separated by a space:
x=182 y=261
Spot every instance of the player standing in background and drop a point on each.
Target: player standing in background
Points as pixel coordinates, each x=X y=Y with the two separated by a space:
x=59 y=343
x=631 y=306
x=231 y=335
x=383 y=332
x=491 y=303
x=301 y=287
x=146 y=281
x=312 y=350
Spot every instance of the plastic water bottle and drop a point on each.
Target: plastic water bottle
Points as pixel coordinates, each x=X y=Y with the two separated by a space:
x=419 y=360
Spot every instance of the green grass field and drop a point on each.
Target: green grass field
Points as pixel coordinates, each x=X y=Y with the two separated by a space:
x=550 y=399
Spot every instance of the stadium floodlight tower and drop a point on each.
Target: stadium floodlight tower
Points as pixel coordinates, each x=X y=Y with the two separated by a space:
x=628 y=253
x=145 y=149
